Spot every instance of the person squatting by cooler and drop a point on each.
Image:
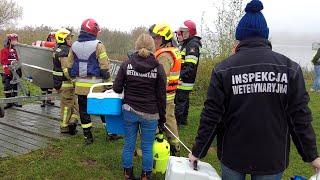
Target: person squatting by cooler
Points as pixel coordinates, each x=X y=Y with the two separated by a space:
x=190 y=49
x=89 y=64
x=51 y=38
x=8 y=56
x=144 y=82
x=69 y=105
x=256 y=99
x=169 y=56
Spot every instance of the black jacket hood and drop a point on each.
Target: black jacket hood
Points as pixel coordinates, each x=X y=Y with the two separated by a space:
x=143 y=65
x=194 y=39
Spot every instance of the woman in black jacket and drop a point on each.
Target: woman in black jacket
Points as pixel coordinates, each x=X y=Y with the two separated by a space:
x=144 y=82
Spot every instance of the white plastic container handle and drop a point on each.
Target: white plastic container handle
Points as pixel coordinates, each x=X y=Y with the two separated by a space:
x=100 y=84
x=316 y=176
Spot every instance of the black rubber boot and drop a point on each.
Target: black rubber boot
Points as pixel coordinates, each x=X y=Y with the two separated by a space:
x=129 y=175
x=43 y=104
x=17 y=105
x=146 y=175
x=9 y=105
x=14 y=94
x=49 y=102
x=113 y=137
x=73 y=127
x=173 y=151
x=88 y=135
x=43 y=93
x=2 y=113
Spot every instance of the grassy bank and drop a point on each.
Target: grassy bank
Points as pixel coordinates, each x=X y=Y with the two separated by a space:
x=70 y=159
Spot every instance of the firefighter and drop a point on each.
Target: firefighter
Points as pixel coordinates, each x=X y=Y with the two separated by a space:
x=51 y=38
x=8 y=56
x=190 y=51
x=88 y=64
x=179 y=38
x=69 y=106
x=169 y=56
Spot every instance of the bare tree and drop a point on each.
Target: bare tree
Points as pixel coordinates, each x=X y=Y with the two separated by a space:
x=10 y=11
x=220 y=40
x=137 y=31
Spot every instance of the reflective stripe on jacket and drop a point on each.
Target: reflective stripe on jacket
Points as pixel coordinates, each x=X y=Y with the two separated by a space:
x=190 y=52
x=174 y=74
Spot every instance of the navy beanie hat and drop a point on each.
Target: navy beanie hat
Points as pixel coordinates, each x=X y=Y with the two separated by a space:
x=253 y=23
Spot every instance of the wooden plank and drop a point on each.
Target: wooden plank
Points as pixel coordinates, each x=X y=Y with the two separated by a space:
x=22 y=137
x=23 y=134
x=52 y=112
x=16 y=138
x=28 y=116
x=17 y=142
x=38 y=125
x=34 y=130
x=48 y=111
x=30 y=120
x=3 y=155
x=13 y=148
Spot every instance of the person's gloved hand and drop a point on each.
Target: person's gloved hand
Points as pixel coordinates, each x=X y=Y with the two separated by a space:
x=9 y=76
x=192 y=159
x=161 y=127
x=316 y=164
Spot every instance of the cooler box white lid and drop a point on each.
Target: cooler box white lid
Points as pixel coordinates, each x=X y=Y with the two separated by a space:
x=104 y=95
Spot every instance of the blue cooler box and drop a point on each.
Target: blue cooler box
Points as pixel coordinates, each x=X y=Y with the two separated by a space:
x=104 y=103
x=114 y=124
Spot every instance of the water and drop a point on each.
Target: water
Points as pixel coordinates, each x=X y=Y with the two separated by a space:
x=300 y=54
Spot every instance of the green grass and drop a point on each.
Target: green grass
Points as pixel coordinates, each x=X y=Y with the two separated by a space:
x=70 y=159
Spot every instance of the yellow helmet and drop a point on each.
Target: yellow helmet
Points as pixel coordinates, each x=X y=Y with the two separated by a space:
x=161 y=29
x=62 y=34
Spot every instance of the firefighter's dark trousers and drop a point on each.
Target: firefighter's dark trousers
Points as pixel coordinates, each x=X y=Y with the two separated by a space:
x=182 y=106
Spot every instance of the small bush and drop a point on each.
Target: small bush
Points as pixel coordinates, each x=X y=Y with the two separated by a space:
x=203 y=79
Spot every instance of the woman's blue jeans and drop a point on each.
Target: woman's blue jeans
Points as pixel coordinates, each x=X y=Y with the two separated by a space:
x=316 y=82
x=132 y=122
x=229 y=174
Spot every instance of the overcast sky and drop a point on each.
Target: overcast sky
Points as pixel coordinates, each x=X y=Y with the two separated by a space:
x=284 y=15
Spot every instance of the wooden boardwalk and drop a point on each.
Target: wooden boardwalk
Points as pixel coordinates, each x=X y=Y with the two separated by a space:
x=30 y=128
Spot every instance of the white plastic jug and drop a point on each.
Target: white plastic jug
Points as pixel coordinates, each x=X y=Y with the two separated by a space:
x=179 y=168
x=315 y=177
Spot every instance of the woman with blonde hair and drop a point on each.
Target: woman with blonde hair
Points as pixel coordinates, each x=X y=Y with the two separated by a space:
x=144 y=82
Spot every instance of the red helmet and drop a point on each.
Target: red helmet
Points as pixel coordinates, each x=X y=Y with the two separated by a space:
x=51 y=35
x=91 y=26
x=12 y=36
x=191 y=26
